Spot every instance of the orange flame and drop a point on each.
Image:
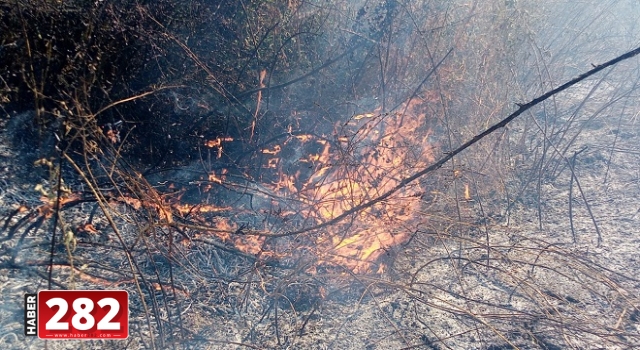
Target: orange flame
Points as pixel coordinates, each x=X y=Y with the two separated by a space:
x=319 y=178
x=274 y=151
x=376 y=151
x=217 y=144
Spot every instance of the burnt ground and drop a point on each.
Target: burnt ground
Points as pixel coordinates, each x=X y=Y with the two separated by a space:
x=540 y=256
x=528 y=239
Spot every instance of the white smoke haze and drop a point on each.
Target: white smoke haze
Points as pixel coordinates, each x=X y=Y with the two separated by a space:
x=272 y=207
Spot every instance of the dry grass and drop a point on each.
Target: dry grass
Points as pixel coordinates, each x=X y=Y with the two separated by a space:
x=524 y=240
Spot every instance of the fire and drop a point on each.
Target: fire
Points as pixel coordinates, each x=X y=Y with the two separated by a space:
x=316 y=178
x=273 y=151
x=217 y=144
x=373 y=153
x=304 y=137
x=218 y=178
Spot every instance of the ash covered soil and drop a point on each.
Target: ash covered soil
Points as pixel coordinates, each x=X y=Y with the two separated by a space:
x=538 y=257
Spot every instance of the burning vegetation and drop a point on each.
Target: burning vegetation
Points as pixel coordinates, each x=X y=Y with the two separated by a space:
x=295 y=174
x=359 y=161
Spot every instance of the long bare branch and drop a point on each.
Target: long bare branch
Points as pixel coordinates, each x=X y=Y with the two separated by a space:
x=449 y=155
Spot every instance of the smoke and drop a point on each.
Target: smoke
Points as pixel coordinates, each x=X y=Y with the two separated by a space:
x=526 y=239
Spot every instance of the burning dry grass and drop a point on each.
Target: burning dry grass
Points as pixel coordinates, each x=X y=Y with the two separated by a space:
x=364 y=158
x=405 y=272
x=306 y=251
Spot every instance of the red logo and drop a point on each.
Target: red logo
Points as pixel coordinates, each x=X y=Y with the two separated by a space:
x=83 y=314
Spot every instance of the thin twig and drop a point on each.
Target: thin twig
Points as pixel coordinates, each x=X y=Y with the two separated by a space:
x=586 y=203
x=573 y=175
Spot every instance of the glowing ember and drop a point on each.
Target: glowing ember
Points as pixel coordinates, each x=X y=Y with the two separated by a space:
x=213 y=177
x=274 y=151
x=217 y=144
